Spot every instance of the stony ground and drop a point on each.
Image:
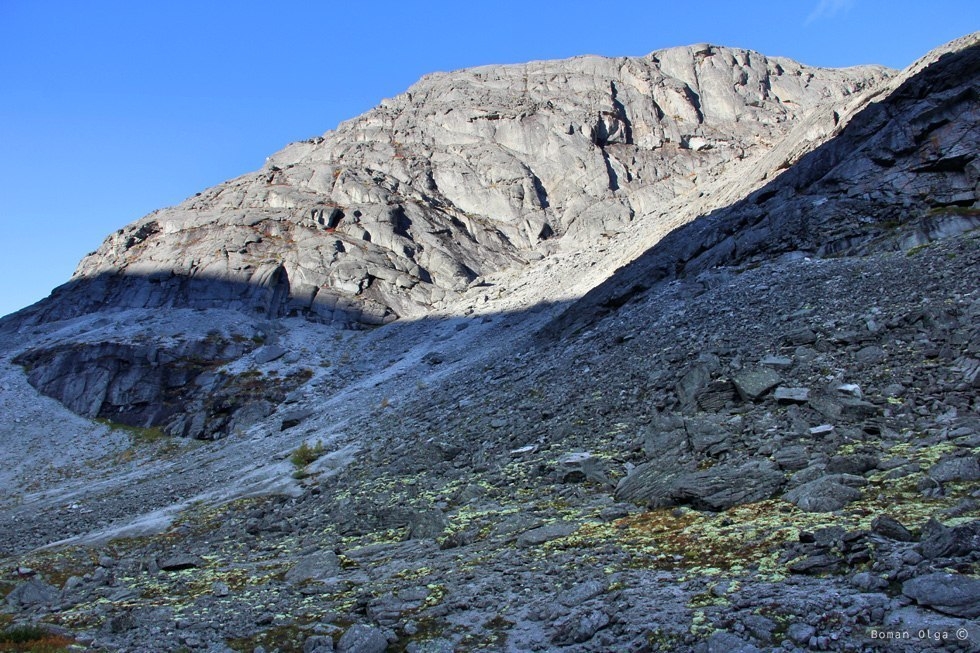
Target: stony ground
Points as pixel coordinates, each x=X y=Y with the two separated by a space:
x=772 y=457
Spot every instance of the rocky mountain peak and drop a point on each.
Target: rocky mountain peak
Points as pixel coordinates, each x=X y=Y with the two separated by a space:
x=465 y=174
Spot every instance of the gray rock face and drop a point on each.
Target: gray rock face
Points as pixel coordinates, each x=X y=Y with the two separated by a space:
x=136 y=383
x=464 y=174
x=149 y=381
x=455 y=488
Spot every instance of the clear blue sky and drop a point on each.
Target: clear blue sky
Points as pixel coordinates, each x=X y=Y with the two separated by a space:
x=109 y=110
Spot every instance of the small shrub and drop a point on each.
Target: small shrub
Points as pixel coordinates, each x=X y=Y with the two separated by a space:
x=305 y=454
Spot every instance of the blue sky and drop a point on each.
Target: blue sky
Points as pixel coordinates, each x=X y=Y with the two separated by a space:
x=109 y=110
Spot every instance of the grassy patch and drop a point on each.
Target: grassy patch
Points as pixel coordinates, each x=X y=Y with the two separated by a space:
x=286 y=639
x=138 y=434
x=33 y=639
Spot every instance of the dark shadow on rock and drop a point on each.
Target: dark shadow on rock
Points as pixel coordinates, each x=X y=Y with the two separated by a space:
x=117 y=368
x=272 y=297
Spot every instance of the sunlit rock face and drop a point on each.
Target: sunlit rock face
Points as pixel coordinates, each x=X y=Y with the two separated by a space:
x=463 y=175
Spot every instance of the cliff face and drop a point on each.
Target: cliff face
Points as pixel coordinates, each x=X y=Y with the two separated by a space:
x=465 y=174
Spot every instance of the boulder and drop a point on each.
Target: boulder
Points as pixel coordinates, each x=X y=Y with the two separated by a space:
x=717 y=488
x=891 y=528
x=361 y=638
x=965 y=468
x=826 y=494
x=32 y=593
x=953 y=594
x=752 y=383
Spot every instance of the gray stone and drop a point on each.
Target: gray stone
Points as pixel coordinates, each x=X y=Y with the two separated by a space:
x=717 y=488
x=361 y=638
x=180 y=562
x=32 y=593
x=952 y=469
x=320 y=566
x=755 y=382
x=791 y=395
x=870 y=355
x=851 y=389
x=868 y=582
x=581 y=593
x=853 y=464
x=891 y=528
x=318 y=644
x=268 y=354
x=791 y=458
x=580 y=466
x=546 y=533
x=800 y=632
x=779 y=362
x=857 y=409
x=578 y=628
x=939 y=541
x=826 y=494
x=724 y=642
x=427 y=524
x=294 y=417
x=953 y=594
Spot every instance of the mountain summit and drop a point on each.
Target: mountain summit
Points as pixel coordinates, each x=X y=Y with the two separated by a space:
x=466 y=174
x=669 y=353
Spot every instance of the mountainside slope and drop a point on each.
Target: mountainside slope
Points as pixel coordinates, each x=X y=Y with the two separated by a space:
x=746 y=440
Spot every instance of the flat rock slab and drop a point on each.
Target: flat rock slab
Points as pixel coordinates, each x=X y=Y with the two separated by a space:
x=779 y=362
x=269 y=354
x=546 y=533
x=786 y=395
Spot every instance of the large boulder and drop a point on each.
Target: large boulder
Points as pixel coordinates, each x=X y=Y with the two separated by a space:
x=716 y=488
